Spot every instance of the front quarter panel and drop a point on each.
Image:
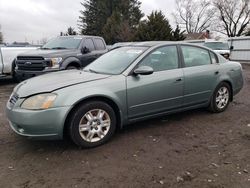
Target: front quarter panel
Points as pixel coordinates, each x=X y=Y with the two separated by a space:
x=113 y=88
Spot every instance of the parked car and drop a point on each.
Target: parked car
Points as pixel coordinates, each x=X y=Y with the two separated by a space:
x=7 y=59
x=60 y=53
x=123 y=86
x=219 y=47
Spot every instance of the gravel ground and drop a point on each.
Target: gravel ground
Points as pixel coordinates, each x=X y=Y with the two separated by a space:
x=190 y=149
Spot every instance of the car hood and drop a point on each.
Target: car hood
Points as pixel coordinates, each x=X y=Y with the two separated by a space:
x=53 y=81
x=48 y=53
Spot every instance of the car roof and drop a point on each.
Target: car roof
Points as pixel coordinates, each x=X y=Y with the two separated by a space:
x=80 y=36
x=157 y=43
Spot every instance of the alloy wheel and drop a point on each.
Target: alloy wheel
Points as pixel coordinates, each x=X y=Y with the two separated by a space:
x=94 y=125
x=222 y=97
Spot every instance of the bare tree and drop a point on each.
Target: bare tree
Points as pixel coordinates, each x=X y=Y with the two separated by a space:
x=233 y=16
x=194 y=16
x=43 y=41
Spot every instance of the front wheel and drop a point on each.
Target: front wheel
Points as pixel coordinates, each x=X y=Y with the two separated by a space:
x=13 y=73
x=72 y=68
x=221 y=98
x=92 y=124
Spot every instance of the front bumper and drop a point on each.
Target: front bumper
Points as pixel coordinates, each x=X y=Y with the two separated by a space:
x=42 y=124
x=23 y=75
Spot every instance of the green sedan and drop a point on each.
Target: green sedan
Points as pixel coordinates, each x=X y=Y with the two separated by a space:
x=126 y=85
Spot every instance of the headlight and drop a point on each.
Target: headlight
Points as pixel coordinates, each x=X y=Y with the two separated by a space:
x=55 y=61
x=39 y=102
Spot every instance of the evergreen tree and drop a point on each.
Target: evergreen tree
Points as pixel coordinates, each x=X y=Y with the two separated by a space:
x=115 y=20
x=111 y=28
x=71 y=31
x=91 y=19
x=155 y=28
x=178 y=34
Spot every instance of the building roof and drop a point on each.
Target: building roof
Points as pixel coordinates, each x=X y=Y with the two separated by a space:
x=196 y=36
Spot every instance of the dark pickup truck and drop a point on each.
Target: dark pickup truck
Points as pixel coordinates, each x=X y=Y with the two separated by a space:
x=60 y=53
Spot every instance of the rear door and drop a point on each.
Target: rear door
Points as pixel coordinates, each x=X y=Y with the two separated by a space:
x=160 y=91
x=100 y=47
x=200 y=74
x=91 y=55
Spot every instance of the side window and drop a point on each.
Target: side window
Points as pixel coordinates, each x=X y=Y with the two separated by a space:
x=213 y=58
x=194 y=56
x=164 y=58
x=89 y=44
x=99 y=44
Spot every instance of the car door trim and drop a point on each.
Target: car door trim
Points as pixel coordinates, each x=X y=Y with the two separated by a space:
x=163 y=100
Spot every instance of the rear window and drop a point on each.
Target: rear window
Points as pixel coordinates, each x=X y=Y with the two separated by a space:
x=99 y=44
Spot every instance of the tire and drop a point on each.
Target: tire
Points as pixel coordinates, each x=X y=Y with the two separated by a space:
x=72 y=68
x=13 y=73
x=221 y=98
x=15 y=78
x=95 y=130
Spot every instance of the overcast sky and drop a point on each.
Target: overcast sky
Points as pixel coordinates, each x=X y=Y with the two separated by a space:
x=32 y=20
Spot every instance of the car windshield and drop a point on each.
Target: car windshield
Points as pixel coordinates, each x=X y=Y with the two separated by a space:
x=115 y=61
x=217 y=45
x=63 y=43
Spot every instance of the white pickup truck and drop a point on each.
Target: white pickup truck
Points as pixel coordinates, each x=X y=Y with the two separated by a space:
x=7 y=57
x=220 y=47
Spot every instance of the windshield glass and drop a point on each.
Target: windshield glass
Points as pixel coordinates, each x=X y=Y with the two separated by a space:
x=115 y=61
x=217 y=45
x=63 y=43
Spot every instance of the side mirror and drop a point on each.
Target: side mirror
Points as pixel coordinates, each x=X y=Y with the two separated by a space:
x=144 y=70
x=85 y=50
x=231 y=47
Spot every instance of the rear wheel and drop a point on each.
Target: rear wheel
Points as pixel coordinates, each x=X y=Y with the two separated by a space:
x=92 y=124
x=221 y=98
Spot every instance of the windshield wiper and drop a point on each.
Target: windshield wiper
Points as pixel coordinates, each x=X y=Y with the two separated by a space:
x=91 y=70
x=97 y=72
x=58 y=48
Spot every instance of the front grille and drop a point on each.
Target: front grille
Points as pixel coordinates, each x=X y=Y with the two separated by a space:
x=13 y=99
x=32 y=67
x=28 y=58
x=32 y=63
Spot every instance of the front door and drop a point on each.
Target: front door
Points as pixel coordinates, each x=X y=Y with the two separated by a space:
x=160 y=91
